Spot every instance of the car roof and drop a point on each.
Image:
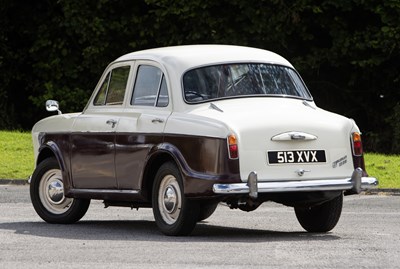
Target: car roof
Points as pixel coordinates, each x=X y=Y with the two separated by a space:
x=182 y=58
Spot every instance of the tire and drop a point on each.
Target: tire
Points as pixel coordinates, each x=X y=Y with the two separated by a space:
x=173 y=213
x=206 y=210
x=320 y=218
x=47 y=195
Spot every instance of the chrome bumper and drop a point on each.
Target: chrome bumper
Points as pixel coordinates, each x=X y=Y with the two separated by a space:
x=352 y=185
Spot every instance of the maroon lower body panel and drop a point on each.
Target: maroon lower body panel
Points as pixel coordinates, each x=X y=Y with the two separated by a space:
x=108 y=165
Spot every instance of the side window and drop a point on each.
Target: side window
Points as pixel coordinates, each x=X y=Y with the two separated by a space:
x=163 y=98
x=100 y=98
x=150 y=87
x=112 y=90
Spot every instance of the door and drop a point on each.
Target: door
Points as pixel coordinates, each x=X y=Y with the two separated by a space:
x=93 y=137
x=142 y=126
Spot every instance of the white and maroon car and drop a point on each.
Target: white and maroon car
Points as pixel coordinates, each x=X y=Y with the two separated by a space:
x=181 y=129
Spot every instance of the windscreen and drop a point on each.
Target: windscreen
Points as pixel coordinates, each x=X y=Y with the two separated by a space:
x=239 y=80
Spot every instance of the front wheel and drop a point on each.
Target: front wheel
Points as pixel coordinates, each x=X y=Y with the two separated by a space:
x=174 y=214
x=320 y=218
x=47 y=195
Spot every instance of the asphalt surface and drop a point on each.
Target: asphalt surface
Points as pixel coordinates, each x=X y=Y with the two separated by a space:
x=367 y=236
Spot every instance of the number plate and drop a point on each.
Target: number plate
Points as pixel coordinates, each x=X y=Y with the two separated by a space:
x=296 y=156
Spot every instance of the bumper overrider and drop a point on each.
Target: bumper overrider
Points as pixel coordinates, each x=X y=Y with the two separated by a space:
x=351 y=185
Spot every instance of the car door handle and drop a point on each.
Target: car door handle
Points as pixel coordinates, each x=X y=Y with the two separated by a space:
x=111 y=122
x=157 y=120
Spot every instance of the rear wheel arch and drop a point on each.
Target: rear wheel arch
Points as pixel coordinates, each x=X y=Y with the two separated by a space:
x=152 y=165
x=161 y=154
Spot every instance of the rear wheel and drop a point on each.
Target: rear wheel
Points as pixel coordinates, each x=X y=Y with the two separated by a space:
x=47 y=195
x=320 y=218
x=174 y=214
x=206 y=210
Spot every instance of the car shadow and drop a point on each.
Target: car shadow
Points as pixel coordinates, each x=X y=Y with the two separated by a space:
x=145 y=230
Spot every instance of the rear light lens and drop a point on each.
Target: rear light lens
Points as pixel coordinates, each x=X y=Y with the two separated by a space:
x=233 y=147
x=358 y=158
x=357 y=144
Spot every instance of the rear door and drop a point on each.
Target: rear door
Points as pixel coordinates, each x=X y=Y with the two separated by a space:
x=141 y=127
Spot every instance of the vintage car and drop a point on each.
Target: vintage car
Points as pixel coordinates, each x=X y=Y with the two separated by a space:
x=182 y=129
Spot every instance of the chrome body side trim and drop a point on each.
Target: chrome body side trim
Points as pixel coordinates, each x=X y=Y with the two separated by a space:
x=106 y=194
x=352 y=185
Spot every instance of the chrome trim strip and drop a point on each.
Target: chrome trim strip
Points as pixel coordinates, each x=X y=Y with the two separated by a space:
x=354 y=184
x=102 y=194
x=293 y=135
x=103 y=191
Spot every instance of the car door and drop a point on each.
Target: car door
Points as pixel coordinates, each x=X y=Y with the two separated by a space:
x=93 y=136
x=142 y=125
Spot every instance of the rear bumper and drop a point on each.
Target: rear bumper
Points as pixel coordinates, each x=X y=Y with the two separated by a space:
x=352 y=185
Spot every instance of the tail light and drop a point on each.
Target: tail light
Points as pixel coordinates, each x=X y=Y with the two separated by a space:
x=233 y=147
x=358 y=158
x=357 y=144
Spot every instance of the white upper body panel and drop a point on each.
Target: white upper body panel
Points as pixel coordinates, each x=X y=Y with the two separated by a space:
x=256 y=121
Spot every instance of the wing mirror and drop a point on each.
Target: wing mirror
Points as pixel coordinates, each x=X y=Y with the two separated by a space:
x=52 y=105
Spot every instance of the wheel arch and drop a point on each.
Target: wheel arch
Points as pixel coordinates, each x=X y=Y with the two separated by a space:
x=48 y=150
x=158 y=156
x=51 y=150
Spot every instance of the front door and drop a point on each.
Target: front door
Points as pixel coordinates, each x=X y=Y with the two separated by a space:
x=93 y=135
x=92 y=153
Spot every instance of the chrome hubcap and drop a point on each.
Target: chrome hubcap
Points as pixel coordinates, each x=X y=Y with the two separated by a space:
x=56 y=192
x=169 y=199
x=51 y=192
